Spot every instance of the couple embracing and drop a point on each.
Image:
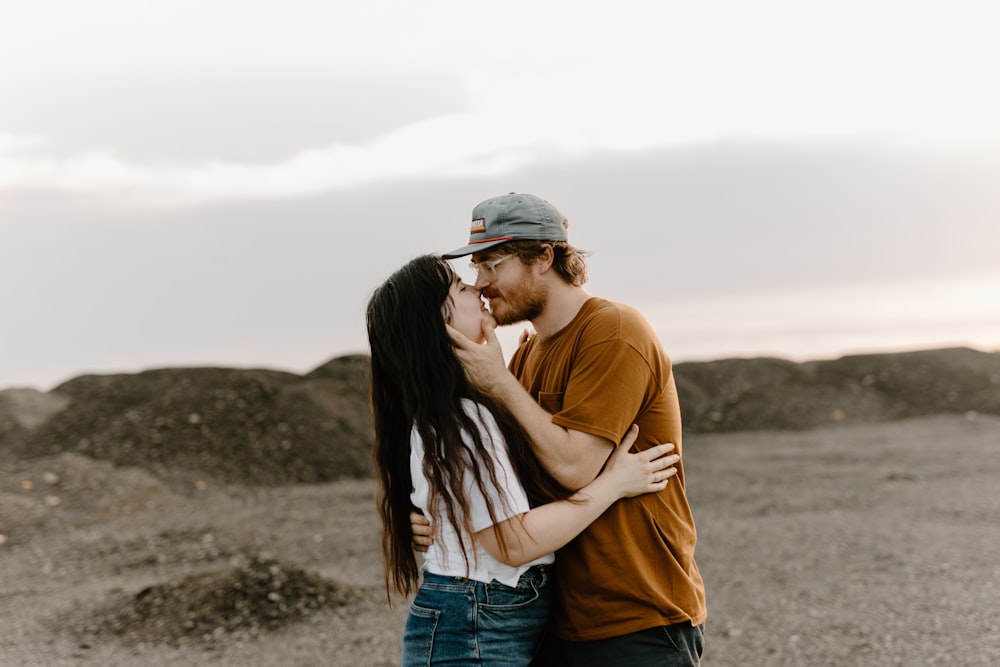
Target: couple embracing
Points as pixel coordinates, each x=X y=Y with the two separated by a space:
x=551 y=494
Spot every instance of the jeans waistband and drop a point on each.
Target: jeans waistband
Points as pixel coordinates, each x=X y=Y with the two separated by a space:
x=546 y=568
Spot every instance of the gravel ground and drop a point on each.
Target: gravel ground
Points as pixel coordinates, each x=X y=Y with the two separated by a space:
x=865 y=545
x=853 y=545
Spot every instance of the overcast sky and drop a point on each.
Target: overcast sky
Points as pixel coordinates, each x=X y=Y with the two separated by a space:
x=224 y=183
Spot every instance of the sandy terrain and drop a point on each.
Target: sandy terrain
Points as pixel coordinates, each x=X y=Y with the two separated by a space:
x=853 y=545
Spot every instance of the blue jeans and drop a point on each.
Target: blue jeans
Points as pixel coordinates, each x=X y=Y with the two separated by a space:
x=454 y=621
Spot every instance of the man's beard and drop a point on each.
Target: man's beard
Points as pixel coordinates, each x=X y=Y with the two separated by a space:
x=524 y=302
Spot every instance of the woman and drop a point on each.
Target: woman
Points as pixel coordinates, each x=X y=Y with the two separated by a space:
x=462 y=459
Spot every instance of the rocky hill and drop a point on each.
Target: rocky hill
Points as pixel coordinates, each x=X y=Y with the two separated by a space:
x=243 y=426
x=753 y=394
x=265 y=427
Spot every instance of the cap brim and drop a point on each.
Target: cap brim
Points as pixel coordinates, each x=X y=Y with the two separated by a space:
x=473 y=247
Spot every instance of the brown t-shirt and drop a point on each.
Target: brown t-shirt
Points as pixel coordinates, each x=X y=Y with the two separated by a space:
x=634 y=567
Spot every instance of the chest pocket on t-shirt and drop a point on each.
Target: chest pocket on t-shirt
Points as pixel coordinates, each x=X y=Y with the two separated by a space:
x=551 y=401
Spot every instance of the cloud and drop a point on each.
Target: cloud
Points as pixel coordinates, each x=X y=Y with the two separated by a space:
x=444 y=146
x=348 y=95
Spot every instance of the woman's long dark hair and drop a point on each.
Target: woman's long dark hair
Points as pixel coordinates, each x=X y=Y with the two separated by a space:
x=417 y=381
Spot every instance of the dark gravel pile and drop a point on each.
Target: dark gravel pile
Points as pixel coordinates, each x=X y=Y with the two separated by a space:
x=265 y=427
x=263 y=595
x=22 y=410
x=244 y=426
x=754 y=394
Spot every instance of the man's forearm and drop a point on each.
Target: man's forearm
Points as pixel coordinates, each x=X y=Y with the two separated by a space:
x=573 y=458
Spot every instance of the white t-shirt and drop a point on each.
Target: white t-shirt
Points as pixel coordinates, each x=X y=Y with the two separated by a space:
x=445 y=555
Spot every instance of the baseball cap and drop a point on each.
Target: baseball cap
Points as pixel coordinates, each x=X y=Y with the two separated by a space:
x=512 y=217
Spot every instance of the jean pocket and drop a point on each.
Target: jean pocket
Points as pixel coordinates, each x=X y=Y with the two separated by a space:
x=528 y=591
x=418 y=636
x=515 y=617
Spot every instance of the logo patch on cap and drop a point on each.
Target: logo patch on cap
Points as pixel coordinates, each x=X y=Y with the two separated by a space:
x=478 y=226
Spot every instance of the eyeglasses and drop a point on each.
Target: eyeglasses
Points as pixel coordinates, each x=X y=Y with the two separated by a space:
x=489 y=267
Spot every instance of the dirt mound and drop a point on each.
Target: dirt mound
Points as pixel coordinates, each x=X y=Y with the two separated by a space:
x=263 y=427
x=263 y=595
x=245 y=426
x=351 y=369
x=22 y=410
x=69 y=490
x=763 y=393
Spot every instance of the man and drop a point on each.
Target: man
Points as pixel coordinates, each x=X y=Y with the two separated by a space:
x=629 y=590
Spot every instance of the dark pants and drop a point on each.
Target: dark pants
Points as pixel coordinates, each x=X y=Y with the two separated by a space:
x=679 y=645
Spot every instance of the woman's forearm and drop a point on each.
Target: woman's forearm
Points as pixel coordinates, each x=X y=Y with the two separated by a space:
x=544 y=529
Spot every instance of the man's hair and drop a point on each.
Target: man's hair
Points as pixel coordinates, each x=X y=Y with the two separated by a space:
x=568 y=261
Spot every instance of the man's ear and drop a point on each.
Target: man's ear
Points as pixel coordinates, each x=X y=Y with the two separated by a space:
x=545 y=259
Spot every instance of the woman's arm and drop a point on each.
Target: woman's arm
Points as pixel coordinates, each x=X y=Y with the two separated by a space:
x=544 y=529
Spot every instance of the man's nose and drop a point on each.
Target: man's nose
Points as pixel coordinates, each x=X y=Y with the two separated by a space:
x=481 y=281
